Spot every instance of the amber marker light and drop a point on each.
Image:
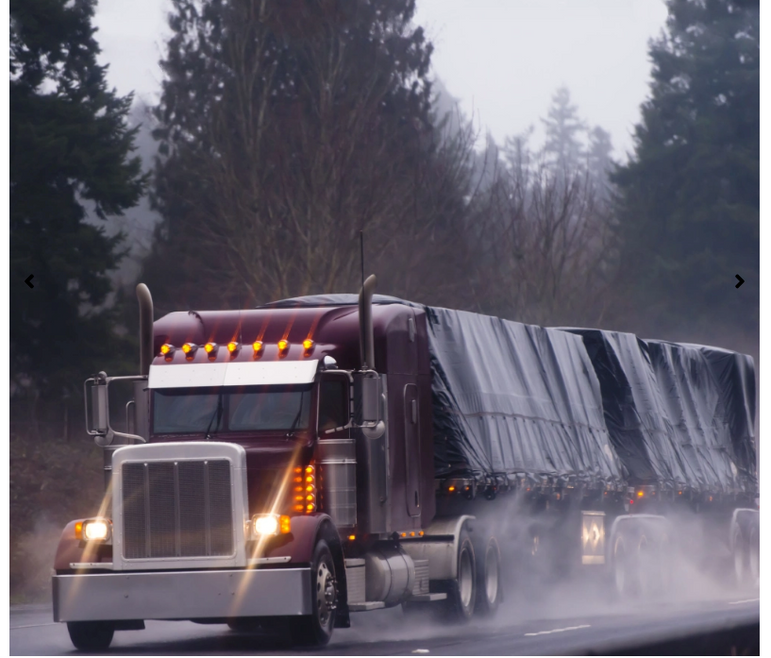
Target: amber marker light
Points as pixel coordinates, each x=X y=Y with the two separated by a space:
x=189 y=349
x=307 y=344
x=232 y=347
x=79 y=530
x=640 y=494
x=351 y=537
x=283 y=345
x=211 y=349
x=167 y=350
x=257 y=347
x=310 y=489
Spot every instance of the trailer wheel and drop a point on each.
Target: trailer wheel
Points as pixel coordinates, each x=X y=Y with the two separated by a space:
x=621 y=566
x=90 y=635
x=316 y=629
x=488 y=572
x=753 y=556
x=461 y=596
x=739 y=555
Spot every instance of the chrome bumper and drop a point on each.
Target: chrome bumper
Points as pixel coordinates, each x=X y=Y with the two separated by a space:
x=182 y=594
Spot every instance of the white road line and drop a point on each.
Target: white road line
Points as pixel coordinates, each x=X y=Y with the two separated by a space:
x=13 y=628
x=558 y=630
x=745 y=601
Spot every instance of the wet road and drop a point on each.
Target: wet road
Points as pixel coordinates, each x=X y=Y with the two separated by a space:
x=569 y=624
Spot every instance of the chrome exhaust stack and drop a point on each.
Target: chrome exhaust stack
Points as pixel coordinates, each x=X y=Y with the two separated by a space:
x=145 y=300
x=366 y=335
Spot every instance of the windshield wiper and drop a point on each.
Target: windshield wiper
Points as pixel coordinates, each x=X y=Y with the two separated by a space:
x=217 y=414
x=296 y=420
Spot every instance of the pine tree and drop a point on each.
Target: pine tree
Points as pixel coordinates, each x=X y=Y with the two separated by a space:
x=689 y=212
x=285 y=129
x=563 y=130
x=70 y=150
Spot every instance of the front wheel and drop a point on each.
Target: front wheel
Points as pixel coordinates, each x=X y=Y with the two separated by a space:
x=90 y=635
x=316 y=629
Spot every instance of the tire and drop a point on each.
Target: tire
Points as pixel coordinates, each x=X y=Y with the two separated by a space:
x=739 y=557
x=753 y=557
x=488 y=572
x=623 y=579
x=316 y=629
x=646 y=563
x=461 y=595
x=94 y=636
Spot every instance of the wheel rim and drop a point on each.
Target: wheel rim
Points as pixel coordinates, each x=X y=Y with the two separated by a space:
x=465 y=579
x=326 y=594
x=491 y=574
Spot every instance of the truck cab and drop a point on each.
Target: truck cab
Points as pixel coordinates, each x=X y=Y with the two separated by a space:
x=277 y=464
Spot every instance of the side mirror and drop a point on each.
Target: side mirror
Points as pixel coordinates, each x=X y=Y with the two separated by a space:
x=367 y=396
x=99 y=409
x=96 y=391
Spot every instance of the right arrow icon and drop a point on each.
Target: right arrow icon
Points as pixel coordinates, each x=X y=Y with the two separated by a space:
x=741 y=281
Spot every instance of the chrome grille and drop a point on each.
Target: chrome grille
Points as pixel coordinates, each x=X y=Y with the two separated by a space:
x=177 y=509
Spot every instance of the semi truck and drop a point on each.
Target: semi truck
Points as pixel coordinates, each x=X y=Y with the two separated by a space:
x=286 y=466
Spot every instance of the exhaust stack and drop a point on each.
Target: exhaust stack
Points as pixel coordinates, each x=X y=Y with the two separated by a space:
x=366 y=335
x=145 y=328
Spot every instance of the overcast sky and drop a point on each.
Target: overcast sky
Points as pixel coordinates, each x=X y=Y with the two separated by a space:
x=502 y=59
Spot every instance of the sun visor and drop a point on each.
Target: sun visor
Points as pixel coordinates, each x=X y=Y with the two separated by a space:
x=196 y=375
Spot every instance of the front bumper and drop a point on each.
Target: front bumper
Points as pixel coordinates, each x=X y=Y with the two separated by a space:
x=182 y=594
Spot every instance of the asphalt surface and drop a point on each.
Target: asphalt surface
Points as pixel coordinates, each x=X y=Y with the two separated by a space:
x=562 y=623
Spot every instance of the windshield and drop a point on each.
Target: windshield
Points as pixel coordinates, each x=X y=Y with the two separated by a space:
x=232 y=409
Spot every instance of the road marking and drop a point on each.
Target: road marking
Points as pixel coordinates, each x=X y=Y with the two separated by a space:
x=745 y=601
x=559 y=630
x=13 y=628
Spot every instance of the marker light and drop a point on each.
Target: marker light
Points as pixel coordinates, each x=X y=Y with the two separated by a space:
x=211 y=349
x=307 y=344
x=189 y=349
x=257 y=347
x=283 y=345
x=640 y=494
x=232 y=347
x=351 y=537
x=310 y=489
x=167 y=349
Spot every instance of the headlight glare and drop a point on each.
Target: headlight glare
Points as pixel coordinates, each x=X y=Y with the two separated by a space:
x=96 y=530
x=270 y=524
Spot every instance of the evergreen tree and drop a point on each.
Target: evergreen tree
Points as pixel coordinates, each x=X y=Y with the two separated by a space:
x=70 y=151
x=563 y=130
x=285 y=129
x=689 y=211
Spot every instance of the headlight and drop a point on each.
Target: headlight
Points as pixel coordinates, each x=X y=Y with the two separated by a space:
x=94 y=530
x=270 y=524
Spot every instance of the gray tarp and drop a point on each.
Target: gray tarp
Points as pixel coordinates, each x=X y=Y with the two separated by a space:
x=678 y=415
x=595 y=406
x=515 y=399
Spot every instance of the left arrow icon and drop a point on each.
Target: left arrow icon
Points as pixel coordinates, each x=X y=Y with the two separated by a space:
x=28 y=279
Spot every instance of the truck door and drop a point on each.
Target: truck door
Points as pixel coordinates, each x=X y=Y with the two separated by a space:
x=412 y=449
